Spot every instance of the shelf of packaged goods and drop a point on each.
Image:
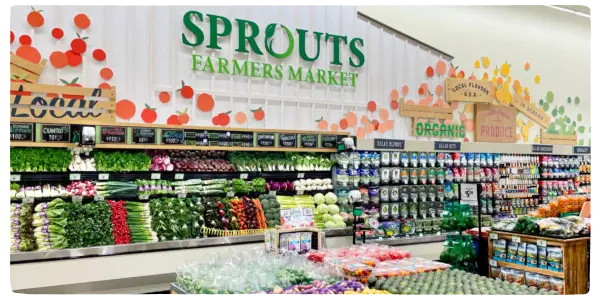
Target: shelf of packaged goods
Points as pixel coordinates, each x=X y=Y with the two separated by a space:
x=530 y=269
x=399 y=241
x=533 y=238
x=130 y=176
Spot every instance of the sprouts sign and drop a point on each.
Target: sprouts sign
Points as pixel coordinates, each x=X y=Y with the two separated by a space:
x=248 y=40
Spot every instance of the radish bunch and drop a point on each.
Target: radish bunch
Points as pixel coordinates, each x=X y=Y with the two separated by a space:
x=82 y=188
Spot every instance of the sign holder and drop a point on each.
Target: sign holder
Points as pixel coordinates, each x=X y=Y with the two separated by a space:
x=418 y=111
x=558 y=139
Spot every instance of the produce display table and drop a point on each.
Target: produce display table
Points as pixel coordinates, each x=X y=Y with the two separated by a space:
x=574 y=256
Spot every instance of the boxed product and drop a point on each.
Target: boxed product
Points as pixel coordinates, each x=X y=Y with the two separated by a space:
x=544 y=282
x=519 y=276
x=507 y=274
x=511 y=253
x=532 y=253
x=522 y=254
x=542 y=261
x=555 y=259
x=495 y=272
x=532 y=279
x=557 y=284
x=499 y=247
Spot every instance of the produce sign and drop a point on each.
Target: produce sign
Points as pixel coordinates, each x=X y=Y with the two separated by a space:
x=542 y=148
x=231 y=139
x=21 y=132
x=172 y=137
x=113 y=135
x=388 y=144
x=56 y=133
x=265 y=139
x=582 y=150
x=433 y=129
x=308 y=141
x=495 y=123
x=469 y=90
x=287 y=140
x=532 y=112
x=328 y=141
x=196 y=137
x=446 y=146
x=144 y=136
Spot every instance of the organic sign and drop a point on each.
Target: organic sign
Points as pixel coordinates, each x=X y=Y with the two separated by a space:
x=21 y=132
x=144 y=136
x=495 y=123
x=433 y=129
x=388 y=144
x=113 y=135
x=469 y=90
x=249 y=38
x=56 y=133
x=532 y=112
x=265 y=139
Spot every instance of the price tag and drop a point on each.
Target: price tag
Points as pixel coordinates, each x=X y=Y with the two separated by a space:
x=301 y=192
x=144 y=197
x=272 y=193
x=77 y=199
x=244 y=176
x=493 y=236
x=300 y=175
x=493 y=263
x=230 y=194
x=181 y=196
x=27 y=200
x=380 y=239
x=15 y=177
x=541 y=243
x=103 y=176
x=179 y=176
x=438 y=233
x=155 y=176
x=420 y=235
x=74 y=176
x=99 y=197
x=516 y=239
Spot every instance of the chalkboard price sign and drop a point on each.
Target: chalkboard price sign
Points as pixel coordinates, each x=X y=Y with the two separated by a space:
x=196 y=137
x=21 y=132
x=56 y=133
x=172 y=137
x=241 y=139
x=144 y=136
x=113 y=135
x=308 y=141
x=265 y=139
x=329 y=141
x=287 y=140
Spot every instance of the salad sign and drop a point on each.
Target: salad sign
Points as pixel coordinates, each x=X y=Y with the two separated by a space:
x=21 y=132
x=328 y=141
x=308 y=141
x=389 y=144
x=113 y=135
x=56 y=133
x=542 y=148
x=576 y=149
x=144 y=136
x=287 y=140
x=446 y=146
x=172 y=137
x=265 y=139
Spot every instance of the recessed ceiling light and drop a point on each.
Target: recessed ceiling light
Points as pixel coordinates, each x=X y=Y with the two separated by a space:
x=571 y=11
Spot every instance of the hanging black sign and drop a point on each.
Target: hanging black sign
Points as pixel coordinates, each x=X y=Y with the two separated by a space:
x=56 y=133
x=288 y=140
x=265 y=139
x=446 y=146
x=329 y=141
x=144 y=136
x=542 y=148
x=388 y=144
x=113 y=135
x=308 y=141
x=576 y=149
x=172 y=136
x=21 y=132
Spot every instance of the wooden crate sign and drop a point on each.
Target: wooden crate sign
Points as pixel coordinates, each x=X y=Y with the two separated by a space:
x=24 y=70
x=420 y=111
x=495 y=123
x=60 y=104
x=466 y=90
x=433 y=129
x=559 y=139
x=532 y=112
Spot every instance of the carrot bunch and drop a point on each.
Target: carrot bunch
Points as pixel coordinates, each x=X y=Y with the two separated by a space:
x=260 y=214
x=236 y=214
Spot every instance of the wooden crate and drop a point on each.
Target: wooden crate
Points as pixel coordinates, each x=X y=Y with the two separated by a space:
x=26 y=70
x=575 y=263
x=558 y=139
x=420 y=111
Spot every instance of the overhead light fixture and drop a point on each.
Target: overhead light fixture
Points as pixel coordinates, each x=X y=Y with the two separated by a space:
x=572 y=11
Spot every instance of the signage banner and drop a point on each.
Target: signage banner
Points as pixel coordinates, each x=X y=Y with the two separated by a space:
x=434 y=129
x=495 y=123
x=388 y=144
x=466 y=90
x=532 y=112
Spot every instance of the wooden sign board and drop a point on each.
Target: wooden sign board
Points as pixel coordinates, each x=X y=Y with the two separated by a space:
x=495 y=123
x=465 y=90
x=66 y=105
x=532 y=112
x=25 y=70
x=559 y=139
x=441 y=130
x=430 y=112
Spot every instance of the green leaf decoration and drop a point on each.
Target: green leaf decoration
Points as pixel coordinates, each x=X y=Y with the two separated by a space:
x=546 y=106
x=541 y=102
x=581 y=129
x=552 y=127
x=560 y=121
x=569 y=100
x=589 y=142
x=580 y=143
x=574 y=124
x=561 y=110
x=563 y=129
x=577 y=100
x=554 y=112
x=568 y=120
x=579 y=117
x=550 y=96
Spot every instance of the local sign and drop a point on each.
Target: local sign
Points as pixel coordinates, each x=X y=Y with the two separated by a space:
x=495 y=123
x=466 y=90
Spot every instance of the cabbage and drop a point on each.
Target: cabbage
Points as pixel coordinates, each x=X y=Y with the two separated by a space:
x=319 y=198
x=329 y=224
x=339 y=224
x=322 y=208
x=333 y=209
x=338 y=218
x=330 y=198
x=327 y=217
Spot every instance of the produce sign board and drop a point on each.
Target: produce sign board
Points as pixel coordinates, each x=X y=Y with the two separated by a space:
x=308 y=140
x=56 y=133
x=265 y=139
x=388 y=144
x=329 y=141
x=434 y=129
x=144 y=136
x=172 y=137
x=542 y=148
x=495 y=123
x=446 y=146
x=582 y=150
x=287 y=140
x=231 y=139
x=559 y=139
x=113 y=135
x=196 y=137
x=430 y=112
x=21 y=132
x=466 y=90
x=532 y=112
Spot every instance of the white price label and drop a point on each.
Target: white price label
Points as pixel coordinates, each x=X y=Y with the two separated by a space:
x=155 y=176
x=179 y=176
x=541 y=243
x=516 y=239
x=74 y=176
x=181 y=196
x=272 y=193
x=420 y=235
x=77 y=199
x=493 y=236
x=230 y=194
x=307 y=212
x=286 y=213
x=493 y=263
x=438 y=233
x=103 y=176
x=99 y=197
x=144 y=197
x=28 y=200
x=300 y=192
x=468 y=192
x=380 y=238
x=300 y=175
x=15 y=177
x=244 y=176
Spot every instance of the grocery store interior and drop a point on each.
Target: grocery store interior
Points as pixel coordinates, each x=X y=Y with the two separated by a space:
x=300 y=150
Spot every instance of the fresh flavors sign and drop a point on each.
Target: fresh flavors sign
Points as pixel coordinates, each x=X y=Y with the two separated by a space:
x=248 y=41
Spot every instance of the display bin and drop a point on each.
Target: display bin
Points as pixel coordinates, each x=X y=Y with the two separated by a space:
x=575 y=259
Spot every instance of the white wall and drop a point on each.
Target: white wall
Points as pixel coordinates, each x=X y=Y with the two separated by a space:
x=555 y=43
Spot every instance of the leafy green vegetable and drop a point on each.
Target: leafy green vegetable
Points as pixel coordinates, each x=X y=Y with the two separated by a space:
x=121 y=160
x=88 y=225
x=39 y=159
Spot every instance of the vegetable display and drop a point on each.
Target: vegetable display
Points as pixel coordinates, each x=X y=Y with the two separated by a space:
x=271 y=162
x=139 y=223
x=120 y=161
x=49 y=222
x=37 y=192
x=116 y=189
x=81 y=160
x=154 y=187
x=82 y=188
x=200 y=187
x=88 y=225
x=119 y=222
x=21 y=229
x=270 y=207
x=214 y=213
x=170 y=219
x=190 y=161
x=39 y=159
